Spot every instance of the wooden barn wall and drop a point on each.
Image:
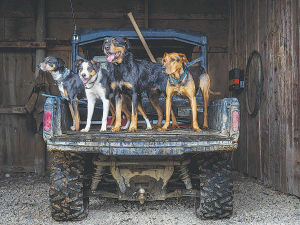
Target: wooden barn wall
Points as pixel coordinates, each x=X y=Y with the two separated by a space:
x=18 y=23
x=269 y=143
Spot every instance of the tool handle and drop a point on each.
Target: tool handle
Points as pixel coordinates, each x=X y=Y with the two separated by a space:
x=141 y=36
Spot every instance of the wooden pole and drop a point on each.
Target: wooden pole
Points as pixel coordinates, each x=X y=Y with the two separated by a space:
x=40 y=33
x=40 y=147
x=141 y=36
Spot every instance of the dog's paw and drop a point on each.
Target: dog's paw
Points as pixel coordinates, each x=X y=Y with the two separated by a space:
x=85 y=130
x=116 y=129
x=72 y=128
x=162 y=129
x=132 y=129
x=196 y=129
x=205 y=127
x=102 y=130
x=175 y=126
x=149 y=128
x=157 y=126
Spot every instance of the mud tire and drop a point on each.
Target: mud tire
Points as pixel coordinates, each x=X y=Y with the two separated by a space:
x=216 y=186
x=68 y=200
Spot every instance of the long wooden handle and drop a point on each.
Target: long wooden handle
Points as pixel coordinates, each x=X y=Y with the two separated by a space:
x=141 y=36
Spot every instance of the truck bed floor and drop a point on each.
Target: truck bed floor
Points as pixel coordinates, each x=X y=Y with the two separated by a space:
x=143 y=142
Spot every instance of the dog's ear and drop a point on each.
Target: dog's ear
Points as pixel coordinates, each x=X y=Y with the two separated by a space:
x=103 y=45
x=183 y=58
x=127 y=43
x=78 y=62
x=165 y=55
x=60 y=63
x=96 y=65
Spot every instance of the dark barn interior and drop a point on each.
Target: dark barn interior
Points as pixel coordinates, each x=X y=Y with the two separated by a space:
x=269 y=143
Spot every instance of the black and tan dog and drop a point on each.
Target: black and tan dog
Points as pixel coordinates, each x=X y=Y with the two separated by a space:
x=132 y=77
x=185 y=82
x=69 y=85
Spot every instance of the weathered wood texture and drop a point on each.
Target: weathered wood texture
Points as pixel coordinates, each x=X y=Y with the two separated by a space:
x=269 y=143
x=17 y=66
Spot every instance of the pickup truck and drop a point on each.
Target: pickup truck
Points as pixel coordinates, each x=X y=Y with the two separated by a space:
x=147 y=165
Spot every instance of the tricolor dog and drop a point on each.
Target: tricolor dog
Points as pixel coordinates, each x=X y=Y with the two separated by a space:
x=132 y=77
x=185 y=82
x=69 y=84
x=96 y=83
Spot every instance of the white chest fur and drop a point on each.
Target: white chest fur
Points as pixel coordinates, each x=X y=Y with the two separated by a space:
x=61 y=90
x=97 y=91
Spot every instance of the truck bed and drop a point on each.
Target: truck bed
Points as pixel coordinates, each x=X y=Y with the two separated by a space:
x=143 y=142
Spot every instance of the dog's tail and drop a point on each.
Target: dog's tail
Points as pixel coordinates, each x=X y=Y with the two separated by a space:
x=213 y=93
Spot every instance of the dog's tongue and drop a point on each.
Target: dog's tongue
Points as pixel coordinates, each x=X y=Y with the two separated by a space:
x=110 y=58
x=85 y=80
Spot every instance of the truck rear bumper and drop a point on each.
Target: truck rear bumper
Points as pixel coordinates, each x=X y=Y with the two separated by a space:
x=142 y=143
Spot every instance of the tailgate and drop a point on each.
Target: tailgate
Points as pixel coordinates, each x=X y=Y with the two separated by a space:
x=143 y=142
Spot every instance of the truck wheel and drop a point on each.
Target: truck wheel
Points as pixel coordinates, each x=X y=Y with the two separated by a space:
x=216 y=186
x=67 y=197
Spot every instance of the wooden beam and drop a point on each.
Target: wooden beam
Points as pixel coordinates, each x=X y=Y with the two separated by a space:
x=13 y=110
x=22 y=44
x=111 y=15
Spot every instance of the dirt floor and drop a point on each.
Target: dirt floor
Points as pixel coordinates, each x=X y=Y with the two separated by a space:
x=24 y=200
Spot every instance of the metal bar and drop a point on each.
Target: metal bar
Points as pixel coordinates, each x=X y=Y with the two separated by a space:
x=182 y=192
x=153 y=163
x=104 y=194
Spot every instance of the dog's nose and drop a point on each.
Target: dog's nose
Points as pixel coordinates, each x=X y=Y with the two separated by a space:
x=107 y=48
x=163 y=69
x=83 y=75
x=39 y=66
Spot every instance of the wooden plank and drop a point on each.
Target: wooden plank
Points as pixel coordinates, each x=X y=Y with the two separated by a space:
x=118 y=15
x=13 y=110
x=218 y=78
x=55 y=26
x=293 y=155
x=19 y=5
x=117 y=6
x=253 y=122
x=240 y=58
x=216 y=31
x=1 y=79
x=288 y=127
x=265 y=100
x=193 y=6
x=16 y=28
x=22 y=44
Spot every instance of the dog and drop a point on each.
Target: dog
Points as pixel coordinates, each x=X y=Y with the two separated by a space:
x=69 y=85
x=96 y=83
x=132 y=77
x=185 y=82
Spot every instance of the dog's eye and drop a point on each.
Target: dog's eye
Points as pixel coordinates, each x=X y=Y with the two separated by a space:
x=172 y=60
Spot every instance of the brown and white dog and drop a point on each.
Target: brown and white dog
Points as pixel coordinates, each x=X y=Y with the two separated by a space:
x=185 y=82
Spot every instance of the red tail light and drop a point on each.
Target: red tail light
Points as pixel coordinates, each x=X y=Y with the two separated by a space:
x=47 y=120
x=235 y=120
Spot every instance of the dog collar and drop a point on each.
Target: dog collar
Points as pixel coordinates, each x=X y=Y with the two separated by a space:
x=67 y=71
x=173 y=80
